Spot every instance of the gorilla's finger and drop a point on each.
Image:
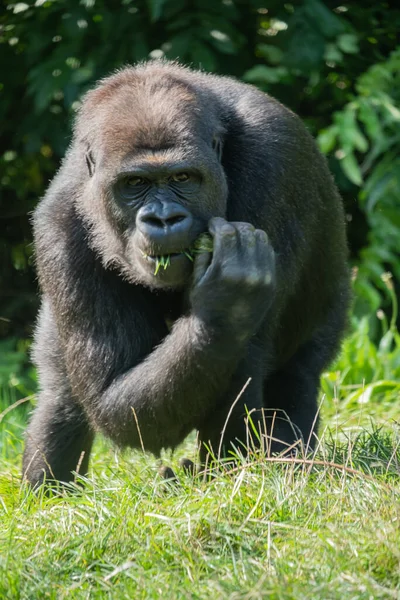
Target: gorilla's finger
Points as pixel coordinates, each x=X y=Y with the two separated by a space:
x=188 y=466
x=167 y=473
x=201 y=263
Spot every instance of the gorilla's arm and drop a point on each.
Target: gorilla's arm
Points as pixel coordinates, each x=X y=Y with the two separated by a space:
x=137 y=390
x=170 y=392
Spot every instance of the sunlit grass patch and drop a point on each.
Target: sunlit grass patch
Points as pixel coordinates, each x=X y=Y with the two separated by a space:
x=275 y=528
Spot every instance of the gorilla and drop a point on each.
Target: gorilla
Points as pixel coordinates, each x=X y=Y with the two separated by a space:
x=160 y=155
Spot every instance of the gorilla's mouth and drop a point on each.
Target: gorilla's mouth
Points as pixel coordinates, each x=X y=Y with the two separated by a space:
x=163 y=261
x=203 y=243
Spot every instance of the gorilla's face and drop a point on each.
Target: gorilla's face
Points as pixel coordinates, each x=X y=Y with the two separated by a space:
x=165 y=202
x=155 y=182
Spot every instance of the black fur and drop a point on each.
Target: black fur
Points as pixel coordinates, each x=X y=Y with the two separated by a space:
x=270 y=306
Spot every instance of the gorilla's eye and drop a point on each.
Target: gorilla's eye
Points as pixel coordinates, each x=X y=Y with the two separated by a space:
x=180 y=177
x=133 y=181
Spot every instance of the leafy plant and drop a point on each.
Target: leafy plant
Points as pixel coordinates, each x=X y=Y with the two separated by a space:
x=365 y=371
x=15 y=372
x=365 y=137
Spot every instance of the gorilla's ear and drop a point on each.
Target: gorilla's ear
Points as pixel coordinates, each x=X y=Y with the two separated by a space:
x=90 y=162
x=217 y=146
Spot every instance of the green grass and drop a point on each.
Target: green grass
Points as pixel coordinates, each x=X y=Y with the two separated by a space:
x=203 y=243
x=324 y=529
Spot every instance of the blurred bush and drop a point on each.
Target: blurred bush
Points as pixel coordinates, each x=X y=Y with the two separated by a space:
x=365 y=135
x=337 y=66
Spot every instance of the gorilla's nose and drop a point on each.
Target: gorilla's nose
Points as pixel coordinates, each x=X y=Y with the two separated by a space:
x=160 y=220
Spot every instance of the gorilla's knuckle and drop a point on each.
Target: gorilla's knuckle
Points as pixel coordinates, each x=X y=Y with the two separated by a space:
x=233 y=276
x=268 y=278
x=227 y=230
x=252 y=279
x=262 y=236
x=246 y=228
x=249 y=240
x=217 y=221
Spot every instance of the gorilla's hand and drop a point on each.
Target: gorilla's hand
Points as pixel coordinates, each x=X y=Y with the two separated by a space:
x=232 y=291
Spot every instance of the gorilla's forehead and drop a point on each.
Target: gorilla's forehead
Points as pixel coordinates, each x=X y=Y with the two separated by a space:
x=149 y=114
x=151 y=131
x=155 y=110
x=151 y=135
x=141 y=141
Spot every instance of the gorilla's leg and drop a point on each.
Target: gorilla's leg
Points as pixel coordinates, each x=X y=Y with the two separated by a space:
x=290 y=397
x=228 y=426
x=282 y=406
x=291 y=411
x=58 y=440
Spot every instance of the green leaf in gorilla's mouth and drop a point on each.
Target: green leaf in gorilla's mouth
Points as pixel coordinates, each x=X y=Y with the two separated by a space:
x=204 y=243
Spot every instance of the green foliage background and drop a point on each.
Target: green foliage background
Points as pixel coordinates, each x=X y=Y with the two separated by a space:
x=336 y=65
